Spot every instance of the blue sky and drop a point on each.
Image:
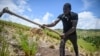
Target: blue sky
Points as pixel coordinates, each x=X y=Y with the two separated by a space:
x=46 y=11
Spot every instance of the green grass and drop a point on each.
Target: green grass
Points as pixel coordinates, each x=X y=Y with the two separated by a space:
x=15 y=25
x=87 y=46
x=3 y=43
x=29 y=48
x=4 y=47
x=51 y=34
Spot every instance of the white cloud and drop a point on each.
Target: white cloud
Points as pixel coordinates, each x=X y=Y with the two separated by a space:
x=86 y=18
x=45 y=19
x=97 y=24
x=58 y=26
x=19 y=7
x=29 y=9
x=7 y=3
x=88 y=21
x=87 y=4
x=23 y=5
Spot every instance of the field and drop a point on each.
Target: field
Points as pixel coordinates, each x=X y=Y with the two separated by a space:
x=22 y=41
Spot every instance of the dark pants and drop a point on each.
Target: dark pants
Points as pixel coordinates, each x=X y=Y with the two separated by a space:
x=73 y=39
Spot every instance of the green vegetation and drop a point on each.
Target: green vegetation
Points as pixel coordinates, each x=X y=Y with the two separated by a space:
x=4 y=47
x=14 y=25
x=94 y=40
x=90 y=36
x=87 y=46
x=30 y=48
x=51 y=34
x=3 y=44
x=89 y=40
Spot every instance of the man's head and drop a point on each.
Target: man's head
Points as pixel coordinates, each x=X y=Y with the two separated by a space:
x=66 y=8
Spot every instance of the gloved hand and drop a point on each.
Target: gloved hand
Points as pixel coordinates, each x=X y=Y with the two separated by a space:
x=43 y=26
x=62 y=36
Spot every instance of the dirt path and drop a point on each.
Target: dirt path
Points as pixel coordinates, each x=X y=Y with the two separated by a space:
x=44 y=51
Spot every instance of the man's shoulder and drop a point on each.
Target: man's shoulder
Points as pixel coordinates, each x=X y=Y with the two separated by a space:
x=73 y=14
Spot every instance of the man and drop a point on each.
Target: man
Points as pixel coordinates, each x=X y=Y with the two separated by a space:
x=69 y=20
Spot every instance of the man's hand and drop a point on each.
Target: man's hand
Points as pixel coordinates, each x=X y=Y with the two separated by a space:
x=62 y=35
x=43 y=26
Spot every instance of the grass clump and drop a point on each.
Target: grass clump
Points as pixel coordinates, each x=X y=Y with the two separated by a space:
x=28 y=45
x=3 y=47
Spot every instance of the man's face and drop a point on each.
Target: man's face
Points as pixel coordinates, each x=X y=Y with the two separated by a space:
x=66 y=10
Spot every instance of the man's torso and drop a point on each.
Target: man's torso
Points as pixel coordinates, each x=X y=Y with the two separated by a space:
x=67 y=21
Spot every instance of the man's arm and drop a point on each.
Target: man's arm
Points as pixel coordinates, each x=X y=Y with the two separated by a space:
x=74 y=24
x=52 y=24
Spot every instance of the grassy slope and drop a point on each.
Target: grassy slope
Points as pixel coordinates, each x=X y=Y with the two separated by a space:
x=87 y=46
x=18 y=32
x=15 y=25
x=81 y=42
x=88 y=39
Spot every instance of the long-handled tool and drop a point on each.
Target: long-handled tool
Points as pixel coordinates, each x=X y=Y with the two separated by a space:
x=6 y=10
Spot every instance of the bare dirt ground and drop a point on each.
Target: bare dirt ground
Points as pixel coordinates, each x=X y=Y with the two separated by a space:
x=43 y=51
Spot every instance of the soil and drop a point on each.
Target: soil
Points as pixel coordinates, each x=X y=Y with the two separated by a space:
x=44 y=51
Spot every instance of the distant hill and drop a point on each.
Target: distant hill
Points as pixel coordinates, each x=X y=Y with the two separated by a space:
x=89 y=29
x=81 y=30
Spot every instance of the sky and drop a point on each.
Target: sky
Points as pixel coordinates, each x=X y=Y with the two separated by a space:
x=47 y=11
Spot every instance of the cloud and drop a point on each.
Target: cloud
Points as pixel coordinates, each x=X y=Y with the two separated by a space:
x=88 y=21
x=23 y=5
x=86 y=18
x=58 y=26
x=45 y=19
x=97 y=24
x=7 y=3
x=87 y=4
x=19 y=7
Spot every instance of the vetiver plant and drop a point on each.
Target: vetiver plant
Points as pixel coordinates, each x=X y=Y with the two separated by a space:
x=3 y=43
x=3 y=47
x=29 y=48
